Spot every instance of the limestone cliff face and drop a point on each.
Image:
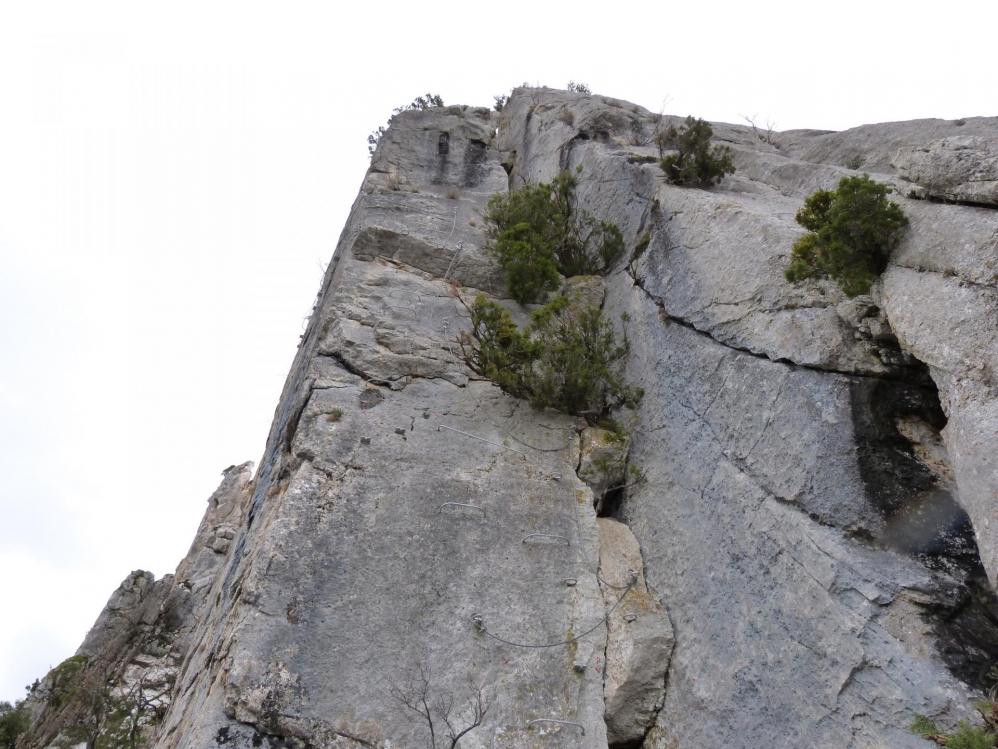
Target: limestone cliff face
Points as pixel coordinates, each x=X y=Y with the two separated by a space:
x=806 y=563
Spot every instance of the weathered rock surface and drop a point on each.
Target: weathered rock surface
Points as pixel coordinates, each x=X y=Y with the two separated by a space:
x=816 y=470
x=639 y=642
x=776 y=423
x=961 y=169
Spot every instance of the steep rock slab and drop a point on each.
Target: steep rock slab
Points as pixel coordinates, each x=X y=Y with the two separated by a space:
x=736 y=426
x=953 y=327
x=398 y=498
x=412 y=530
x=787 y=632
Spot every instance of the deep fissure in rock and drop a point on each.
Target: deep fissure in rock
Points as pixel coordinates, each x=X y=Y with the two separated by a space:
x=611 y=504
x=906 y=470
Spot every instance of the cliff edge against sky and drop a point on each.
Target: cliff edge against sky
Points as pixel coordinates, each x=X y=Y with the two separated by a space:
x=810 y=559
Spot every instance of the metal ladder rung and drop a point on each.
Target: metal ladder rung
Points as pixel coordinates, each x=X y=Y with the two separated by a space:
x=581 y=727
x=547 y=535
x=461 y=504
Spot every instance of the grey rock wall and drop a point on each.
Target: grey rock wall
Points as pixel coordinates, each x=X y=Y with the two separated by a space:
x=810 y=539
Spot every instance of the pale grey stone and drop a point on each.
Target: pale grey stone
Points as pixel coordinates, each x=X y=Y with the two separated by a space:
x=959 y=168
x=640 y=639
x=782 y=428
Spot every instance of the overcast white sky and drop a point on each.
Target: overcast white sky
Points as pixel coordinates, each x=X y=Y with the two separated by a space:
x=173 y=176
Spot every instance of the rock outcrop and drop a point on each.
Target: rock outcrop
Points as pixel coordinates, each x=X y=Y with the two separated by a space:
x=804 y=561
x=962 y=169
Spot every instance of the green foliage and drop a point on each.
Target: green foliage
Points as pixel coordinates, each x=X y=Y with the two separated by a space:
x=90 y=709
x=567 y=358
x=531 y=270
x=497 y=350
x=536 y=233
x=924 y=727
x=966 y=736
x=578 y=370
x=971 y=737
x=852 y=232
x=420 y=102
x=14 y=720
x=695 y=162
x=66 y=680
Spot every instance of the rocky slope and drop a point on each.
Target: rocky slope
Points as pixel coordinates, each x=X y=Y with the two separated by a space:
x=806 y=564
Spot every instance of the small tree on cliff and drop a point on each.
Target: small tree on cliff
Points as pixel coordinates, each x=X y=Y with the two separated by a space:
x=537 y=232
x=14 y=720
x=696 y=163
x=568 y=357
x=852 y=232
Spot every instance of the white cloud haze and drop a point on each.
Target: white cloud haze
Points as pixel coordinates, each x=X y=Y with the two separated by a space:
x=173 y=176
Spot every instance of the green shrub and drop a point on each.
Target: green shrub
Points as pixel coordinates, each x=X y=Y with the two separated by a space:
x=536 y=233
x=695 y=162
x=66 y=680
x=567 y=358
x=530 y=269
x=496 y=349
x=14 y=720
x=971 y=737
x=852 y=232
x=579 y=88
x=966 y=735
x=420 y=102
x=924 y=727
x=578 y=370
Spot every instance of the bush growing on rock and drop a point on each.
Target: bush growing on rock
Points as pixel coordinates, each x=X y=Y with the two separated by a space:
x=567 y=358
x=536 y=233
x=86 y=705
x=14 y=721
x=852 y=232
x=696 y=163
x=966 y=736
x=420 y=102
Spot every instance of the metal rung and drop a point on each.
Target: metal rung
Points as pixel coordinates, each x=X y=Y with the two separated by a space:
x=581 y=727
x=547 y=535
x=461 y=504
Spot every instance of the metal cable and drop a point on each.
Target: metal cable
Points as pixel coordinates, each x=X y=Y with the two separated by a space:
x=480 y=624
x=631 y=573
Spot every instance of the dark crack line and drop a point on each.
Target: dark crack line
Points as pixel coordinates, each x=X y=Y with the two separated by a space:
x=959 y=279
x=658 y=302
x=338 y=357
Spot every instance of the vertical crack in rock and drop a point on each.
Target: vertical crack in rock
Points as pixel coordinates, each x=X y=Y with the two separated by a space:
x=639 y=640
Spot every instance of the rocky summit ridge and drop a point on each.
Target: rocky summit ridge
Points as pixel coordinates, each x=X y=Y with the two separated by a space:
x=810 y=559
